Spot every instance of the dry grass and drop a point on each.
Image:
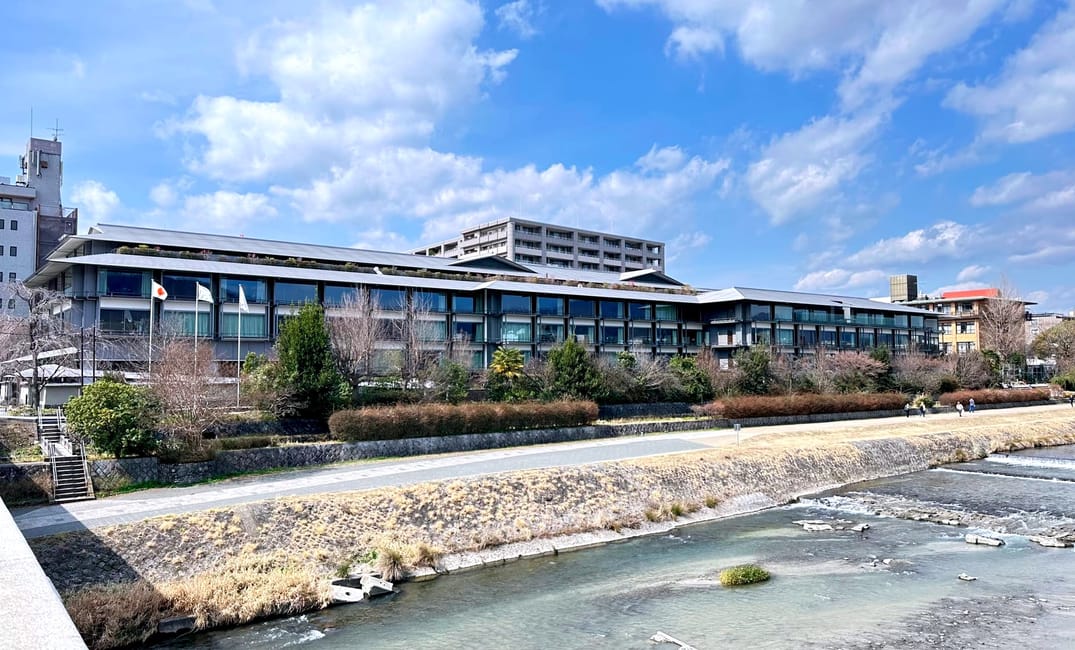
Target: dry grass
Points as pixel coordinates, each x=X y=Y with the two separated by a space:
x=207 y=563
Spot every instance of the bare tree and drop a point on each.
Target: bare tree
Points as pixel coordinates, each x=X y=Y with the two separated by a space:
x=42 y=341
x=1057 y=342
x=355 y=328
x=972 y=369
x=920 y=373
x=188 y=389
x=1001 y=326
x=422 y=342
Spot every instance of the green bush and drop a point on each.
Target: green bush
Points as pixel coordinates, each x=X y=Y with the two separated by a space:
x=993 y=396
x=573 y=372
x=1066 y=380
x=308 y=369
x=751 y=406
x=119 y=419
x=430 y=420
x=744 y=574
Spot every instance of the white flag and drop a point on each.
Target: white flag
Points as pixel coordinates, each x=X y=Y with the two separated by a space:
x=243 y=307
x=157 y=291
x=203 y=293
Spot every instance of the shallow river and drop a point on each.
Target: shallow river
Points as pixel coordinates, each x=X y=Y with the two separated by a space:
x=893 y=586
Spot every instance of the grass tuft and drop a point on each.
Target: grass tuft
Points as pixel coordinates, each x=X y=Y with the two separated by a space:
x=744 y=574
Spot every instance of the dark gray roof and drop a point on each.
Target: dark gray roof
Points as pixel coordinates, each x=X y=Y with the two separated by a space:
x=798 y=298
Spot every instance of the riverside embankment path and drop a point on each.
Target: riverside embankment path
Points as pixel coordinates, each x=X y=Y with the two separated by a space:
x=49 y=520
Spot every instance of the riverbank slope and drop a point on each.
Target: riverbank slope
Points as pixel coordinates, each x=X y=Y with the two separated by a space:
x=230 y=565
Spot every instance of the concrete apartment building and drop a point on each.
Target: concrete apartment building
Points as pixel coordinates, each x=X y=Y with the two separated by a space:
x=32 y=217
x=959 y=312
x=533 y=242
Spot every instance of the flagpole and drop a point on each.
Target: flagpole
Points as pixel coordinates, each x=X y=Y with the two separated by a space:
x=238 y=353
x=197 y=324
x=151 y=310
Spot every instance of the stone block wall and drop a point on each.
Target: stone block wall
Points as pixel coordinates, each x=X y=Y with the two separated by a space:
x=25 y=483
x=17 y=432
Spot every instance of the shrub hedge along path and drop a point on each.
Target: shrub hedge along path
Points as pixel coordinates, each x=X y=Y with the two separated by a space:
x=290 y=546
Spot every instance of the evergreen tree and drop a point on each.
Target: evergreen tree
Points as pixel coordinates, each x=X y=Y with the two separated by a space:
x=573 y=371
x=309 y=372
x=756 y=374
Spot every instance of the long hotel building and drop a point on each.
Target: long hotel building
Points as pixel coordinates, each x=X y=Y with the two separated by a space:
x=478 y=303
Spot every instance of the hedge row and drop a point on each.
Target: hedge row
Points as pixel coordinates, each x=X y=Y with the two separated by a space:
x=809 y=404
x=427 y=420
x=993 y=396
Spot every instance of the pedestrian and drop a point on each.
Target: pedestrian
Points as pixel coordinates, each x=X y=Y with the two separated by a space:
x=959 y=408
x=1071 y=400
x=907 y=409
x=970 y=405
x=922 y=409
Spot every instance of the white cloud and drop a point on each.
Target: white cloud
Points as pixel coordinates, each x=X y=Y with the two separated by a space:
x=518 y=17
x=163 y=195
x=800 y=170
x=1059 y=253
x=972 y=272
x=1034 y=96
x=835 y=279
x=223 y=211
x=685 y=242
x=94 y=201
x=946 y=239
x=690 y=43
x=375 y=76
x=1037 y=191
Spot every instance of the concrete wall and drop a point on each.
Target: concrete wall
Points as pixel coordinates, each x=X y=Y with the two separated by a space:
x=31 y=612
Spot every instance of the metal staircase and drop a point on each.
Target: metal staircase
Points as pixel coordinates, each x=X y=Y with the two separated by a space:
x=70 y=472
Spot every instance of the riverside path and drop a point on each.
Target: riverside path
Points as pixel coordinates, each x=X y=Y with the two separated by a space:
x=363 y=475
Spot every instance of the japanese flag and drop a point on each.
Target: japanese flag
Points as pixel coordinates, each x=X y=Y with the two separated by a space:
x=158 y=291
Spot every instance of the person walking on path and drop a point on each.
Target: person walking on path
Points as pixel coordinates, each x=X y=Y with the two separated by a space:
x=959 y=408
x=1071 y=400
x=907 y=409
x=970 y=405
x=922 y=409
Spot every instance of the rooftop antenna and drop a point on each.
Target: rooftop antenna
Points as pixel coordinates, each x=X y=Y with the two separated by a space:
x=31 y=121
x=56 y=131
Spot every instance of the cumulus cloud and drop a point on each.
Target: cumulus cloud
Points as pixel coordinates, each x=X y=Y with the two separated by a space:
x=946 y=239
x=801 y=169
x=837 y=279
x=517 y=17
x=972 y=272
x=1033 y=97
x=690 y=43
x=94 y=200
x=224 y=211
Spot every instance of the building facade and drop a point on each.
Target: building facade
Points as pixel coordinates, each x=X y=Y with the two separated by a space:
x=533 y=242
x=468 y=306
x=32 y=217
x=959 y=316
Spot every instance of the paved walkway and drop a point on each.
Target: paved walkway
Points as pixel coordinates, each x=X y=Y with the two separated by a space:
x=48 y=520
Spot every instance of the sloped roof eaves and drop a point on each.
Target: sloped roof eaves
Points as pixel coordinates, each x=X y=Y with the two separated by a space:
x=814 y=299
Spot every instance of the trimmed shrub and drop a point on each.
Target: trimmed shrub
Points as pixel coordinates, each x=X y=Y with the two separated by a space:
x=744 y=574
x=430 y=420
x=767 y=406
x=994 y=396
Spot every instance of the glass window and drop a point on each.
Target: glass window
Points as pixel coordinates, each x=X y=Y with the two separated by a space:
x=11 y=277
x=10 y=303
x=667 y=312
x=885 y=339
x=515 y=332
x=473 y=332
x=293 y=293
x=550 y=333
x=548 y=306
x=584 y=333
x=467 y=304
x=612 y=334
x=14 y=226
x=254 y=325
x=133 y=321
x=694 y=337
x=900 y=321
x=13 y=251
x=640 y=311
x=667 y=336
x=759 y=312
x=848 y=339
x=903 y=339
x=782 y=312
x=256 y=291
x=828 y=338
x=182 y=322
x=611 y=309
x=336 y=295
x=433 y=301
x=581 y=308
x=515 y=304
x=182 y=287
x=802 y=315
x=122 y=283
x=918 y=322
x=761 y=335
x=819 y=316
x=1 y=220
x=785 y=336
x=476 y=359
x=641 y=335
x=389 y=299
x=867 y=339
x=432 y=330
x=808 y=337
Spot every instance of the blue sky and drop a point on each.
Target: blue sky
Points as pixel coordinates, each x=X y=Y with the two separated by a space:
x=812 y=145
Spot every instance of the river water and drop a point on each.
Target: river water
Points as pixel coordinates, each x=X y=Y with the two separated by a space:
x=892 y=586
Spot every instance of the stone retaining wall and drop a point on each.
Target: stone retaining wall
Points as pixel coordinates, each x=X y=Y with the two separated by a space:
x=25 y=483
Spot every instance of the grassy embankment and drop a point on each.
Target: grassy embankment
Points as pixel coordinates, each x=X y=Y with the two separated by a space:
x=233 y=565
